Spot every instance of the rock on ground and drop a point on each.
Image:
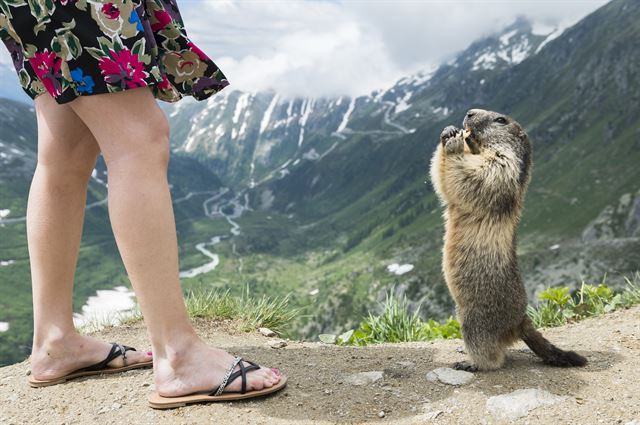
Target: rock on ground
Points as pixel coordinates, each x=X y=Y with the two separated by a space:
x=364 y=378
x=519 y=403
x=449 y=376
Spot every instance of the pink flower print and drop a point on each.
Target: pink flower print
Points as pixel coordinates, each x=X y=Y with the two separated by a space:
x=46 y=65
x=111 y=10
x=163 y=19
x=124 y=68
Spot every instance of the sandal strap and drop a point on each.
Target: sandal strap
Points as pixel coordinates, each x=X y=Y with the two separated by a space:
x=116 y=350
x=232 y=376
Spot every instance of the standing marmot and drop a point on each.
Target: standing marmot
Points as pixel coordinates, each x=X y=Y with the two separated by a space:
x=481 y=175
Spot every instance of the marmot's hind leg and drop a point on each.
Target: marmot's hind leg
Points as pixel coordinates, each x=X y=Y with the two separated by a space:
x=487 y=351
x=489 y=356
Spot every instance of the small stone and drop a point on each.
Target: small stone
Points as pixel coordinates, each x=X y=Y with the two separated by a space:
x=364 y=378
x=449 y=376
x=519 y=403
x=277 y=343
x=145 y=384
x=381 y=414
x=328 y=338
x=406 y=364
x=116 y=406
x=267 y=332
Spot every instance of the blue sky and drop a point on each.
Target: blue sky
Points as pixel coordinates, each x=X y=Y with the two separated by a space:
x=349 y=47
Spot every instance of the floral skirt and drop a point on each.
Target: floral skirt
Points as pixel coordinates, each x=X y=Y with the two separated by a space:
x=72 y=48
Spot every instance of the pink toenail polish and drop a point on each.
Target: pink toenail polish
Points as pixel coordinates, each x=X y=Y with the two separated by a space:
x=149 y=353
x=275 y=370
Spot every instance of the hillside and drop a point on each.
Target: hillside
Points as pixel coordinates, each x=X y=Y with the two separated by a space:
x=337 y=187
x=322 y=386
x=326 y=199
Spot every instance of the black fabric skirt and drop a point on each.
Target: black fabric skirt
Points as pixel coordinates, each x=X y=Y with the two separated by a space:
x=73 y=48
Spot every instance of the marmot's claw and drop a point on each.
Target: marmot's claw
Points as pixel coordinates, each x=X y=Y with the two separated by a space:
x=466 y=366
x=448 y=133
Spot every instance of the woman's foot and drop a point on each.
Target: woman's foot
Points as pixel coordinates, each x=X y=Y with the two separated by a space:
x=198 y=367
x=60 y=356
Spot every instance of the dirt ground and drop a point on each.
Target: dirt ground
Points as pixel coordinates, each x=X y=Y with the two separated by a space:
x=606 y=391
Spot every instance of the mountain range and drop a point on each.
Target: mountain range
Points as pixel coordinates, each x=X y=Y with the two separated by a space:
x=327 y=199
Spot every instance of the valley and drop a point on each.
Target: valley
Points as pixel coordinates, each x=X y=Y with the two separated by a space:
x=327 y=199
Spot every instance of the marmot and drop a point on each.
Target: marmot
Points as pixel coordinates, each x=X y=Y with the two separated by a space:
x=481 y=175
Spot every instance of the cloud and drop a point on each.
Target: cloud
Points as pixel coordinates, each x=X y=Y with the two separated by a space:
x=310 y=48
x=351 y=47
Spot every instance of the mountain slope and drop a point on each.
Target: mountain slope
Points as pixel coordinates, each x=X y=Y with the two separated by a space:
x=334 y=218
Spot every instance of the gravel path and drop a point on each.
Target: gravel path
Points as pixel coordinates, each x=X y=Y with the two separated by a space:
x=323 y=389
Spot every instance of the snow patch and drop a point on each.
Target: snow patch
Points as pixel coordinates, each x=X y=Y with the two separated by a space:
x=306 y=109
x=552 y=36
x=504 y=39
x=345 y=118
x=4 y=326
x=401 y=104
x=311 y=155
x=107 y=307
x=399 y=269
x=6 y=262
x=485 y=61
x=267 y=114
x=4 y=213
x=243 y=102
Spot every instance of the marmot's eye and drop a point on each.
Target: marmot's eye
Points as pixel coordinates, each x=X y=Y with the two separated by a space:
x=501 y=120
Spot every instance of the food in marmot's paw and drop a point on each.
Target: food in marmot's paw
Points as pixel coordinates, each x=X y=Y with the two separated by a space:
x=466 y=133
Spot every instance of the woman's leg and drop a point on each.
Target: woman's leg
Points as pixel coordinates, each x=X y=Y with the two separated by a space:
x=133 y=134
x=67 y=154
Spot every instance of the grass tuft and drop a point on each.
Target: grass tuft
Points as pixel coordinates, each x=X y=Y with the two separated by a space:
x=252 y=313
x=397 y=324
x=558 y=306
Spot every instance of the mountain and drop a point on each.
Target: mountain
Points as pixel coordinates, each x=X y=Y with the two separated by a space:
x=327 y=199
x=343 y=180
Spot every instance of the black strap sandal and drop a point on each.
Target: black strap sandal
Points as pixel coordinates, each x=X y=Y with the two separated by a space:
x=96 y=369
x=217 y=394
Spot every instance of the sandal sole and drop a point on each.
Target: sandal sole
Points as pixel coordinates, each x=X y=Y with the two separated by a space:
x=35 y=383
x=156 y=401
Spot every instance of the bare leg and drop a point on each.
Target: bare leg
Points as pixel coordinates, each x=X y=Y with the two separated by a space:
x=67 y=153
x=133 y=133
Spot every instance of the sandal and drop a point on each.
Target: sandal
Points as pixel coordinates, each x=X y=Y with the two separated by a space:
x=96 y=369
x=158 y=402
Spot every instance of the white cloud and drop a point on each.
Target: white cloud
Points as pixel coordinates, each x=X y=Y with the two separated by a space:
x=351 y=47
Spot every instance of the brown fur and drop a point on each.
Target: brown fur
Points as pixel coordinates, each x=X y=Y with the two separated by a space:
x=482 y=182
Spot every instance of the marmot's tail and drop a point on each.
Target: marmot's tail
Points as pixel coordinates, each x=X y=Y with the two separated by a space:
x=551 y=354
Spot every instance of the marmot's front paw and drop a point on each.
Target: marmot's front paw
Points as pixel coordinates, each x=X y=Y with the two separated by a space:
x=454 y=145
x=448 y=133
x=466 y=366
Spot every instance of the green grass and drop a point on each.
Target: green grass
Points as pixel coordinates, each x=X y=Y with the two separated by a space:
x=558 y=306
x=275 y=313
x=397 y=324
